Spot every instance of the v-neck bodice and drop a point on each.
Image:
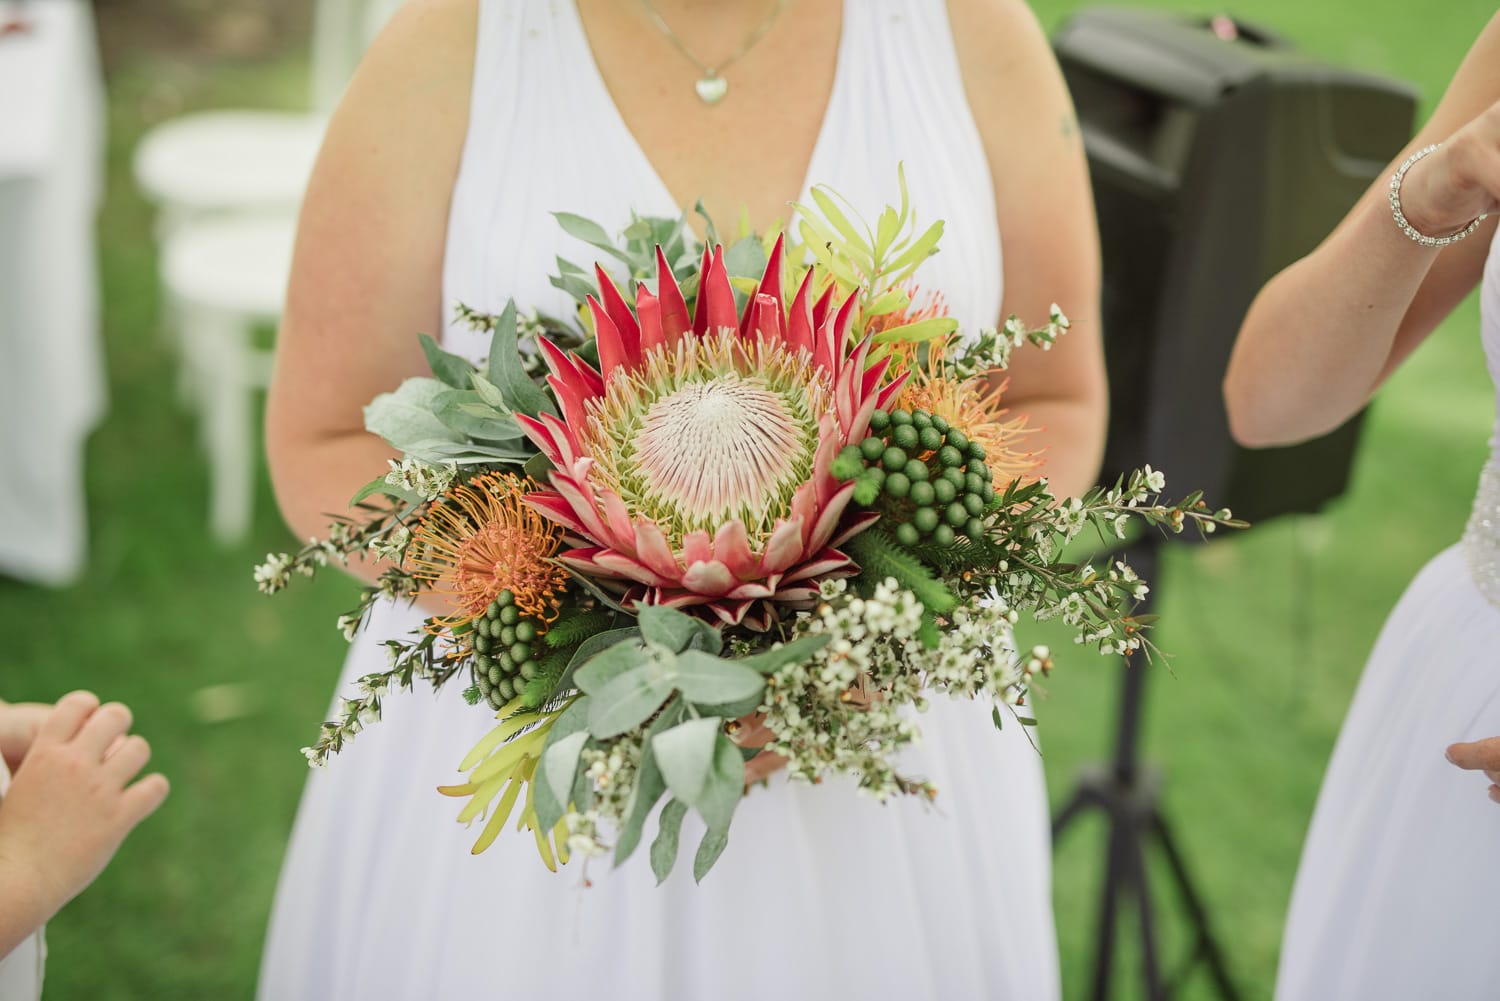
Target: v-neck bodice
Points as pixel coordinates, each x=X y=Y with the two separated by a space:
x=545 y=136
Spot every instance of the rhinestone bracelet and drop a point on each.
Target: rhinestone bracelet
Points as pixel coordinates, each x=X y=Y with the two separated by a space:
x=1406 y=227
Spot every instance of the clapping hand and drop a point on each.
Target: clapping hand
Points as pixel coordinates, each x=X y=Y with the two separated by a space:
x=1457 y=183
x=1480 y=756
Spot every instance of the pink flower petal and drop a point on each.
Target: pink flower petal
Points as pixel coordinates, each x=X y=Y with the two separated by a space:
x=613 y=353
x=617 y=564
x=710 y=578
x=828 y=519
x=618 y=515
x=648 y=309
x=674 y=313
x=620 y=315
x=799 y=332
x=552 y=506
x=852 y=526
x=763 y=320
x=770 y=286
x=783 y=548
x=652 y=549
x=826 y=562
x=732 y=548
x=697 y=547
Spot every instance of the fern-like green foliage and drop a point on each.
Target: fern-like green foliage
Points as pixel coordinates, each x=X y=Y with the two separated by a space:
x=964 y=554
x=549 y=672
x=572 y=629
x=881 y=556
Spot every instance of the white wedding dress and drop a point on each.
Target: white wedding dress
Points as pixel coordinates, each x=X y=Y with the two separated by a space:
x=821 y=894
x=1398 y=891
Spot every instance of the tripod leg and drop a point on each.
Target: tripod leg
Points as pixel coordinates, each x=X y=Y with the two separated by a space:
x=1069 y=813
x=1207 y=945
x=1150 y=964
x=1116 y=873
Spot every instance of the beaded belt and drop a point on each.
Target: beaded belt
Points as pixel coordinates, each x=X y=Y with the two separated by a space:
x=1481 y=542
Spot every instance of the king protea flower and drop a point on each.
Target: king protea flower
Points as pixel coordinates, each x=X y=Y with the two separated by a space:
x=694 y=464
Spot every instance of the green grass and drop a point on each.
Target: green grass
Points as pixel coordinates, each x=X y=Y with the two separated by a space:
x=1269 y=631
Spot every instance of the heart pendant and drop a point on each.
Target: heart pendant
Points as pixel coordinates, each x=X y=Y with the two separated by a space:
x=711 y=89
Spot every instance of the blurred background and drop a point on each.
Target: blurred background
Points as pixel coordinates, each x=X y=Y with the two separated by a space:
x=1268 y=630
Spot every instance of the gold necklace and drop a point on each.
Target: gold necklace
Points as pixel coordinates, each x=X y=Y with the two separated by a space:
x=711 y=86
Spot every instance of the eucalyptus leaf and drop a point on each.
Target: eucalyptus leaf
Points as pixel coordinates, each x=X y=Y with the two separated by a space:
x=407 y=416
x=709 y=850
x=678 y=631
x=664 y=848
x=650 y=786
x=603 y=657
x=796 y=651
x=685 y=754
x=745 y=259
x=589 y=232
x=447 y=367
x=725 y=786
x=571 y=721
x=555 y=771
x=465 y=412
x=465 y=453
x=627 y=701
x=508 y=374
x=379 y=486
x=537 y=467
x=705 y=679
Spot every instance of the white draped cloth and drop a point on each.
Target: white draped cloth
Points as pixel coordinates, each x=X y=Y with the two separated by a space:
x=21 y=970
x=52 y=389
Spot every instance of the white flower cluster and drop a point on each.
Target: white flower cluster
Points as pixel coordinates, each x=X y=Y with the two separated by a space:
x=427 y=481
x=274 y=574
x=977 y=653
x=391 y=545
x=612 y=773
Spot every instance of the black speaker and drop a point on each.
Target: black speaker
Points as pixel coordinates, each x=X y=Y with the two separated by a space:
x=1219 y=154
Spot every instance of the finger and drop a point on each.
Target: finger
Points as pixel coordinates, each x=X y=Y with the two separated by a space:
x=102 y=729
x=114 y=747
x=142 y=799
x=68 y=716
x=1493 y=774
x=126 y=762
x=1478 y=755
x=1495 y=793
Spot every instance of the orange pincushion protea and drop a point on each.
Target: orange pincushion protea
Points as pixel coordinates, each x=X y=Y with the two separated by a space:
x=479 y=539
x=973 y=407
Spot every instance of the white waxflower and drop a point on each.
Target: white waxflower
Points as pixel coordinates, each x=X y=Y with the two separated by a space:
x=1156 y=481
x=273 y=575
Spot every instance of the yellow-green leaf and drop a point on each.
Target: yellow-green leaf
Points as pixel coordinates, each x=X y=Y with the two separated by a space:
x=914 y=333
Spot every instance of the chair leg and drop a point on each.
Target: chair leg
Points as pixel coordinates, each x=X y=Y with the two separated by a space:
x=221 y=342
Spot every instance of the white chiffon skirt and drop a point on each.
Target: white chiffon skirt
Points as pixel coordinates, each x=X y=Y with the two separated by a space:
x=821 y=894
x=1398 y=891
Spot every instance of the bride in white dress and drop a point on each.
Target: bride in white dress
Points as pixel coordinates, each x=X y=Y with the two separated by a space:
x=468 y=124
x=1399 y=882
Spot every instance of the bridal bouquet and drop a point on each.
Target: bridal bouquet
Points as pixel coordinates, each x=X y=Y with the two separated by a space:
x=758 y=494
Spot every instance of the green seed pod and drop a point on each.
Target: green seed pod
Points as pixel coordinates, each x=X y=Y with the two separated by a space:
x=921 y=493
x=950 y=456
x=520 y=653
x=509 y=614
x=525 y=631
x=925 y=519
x=495 y=675
x=893 y=459
x=958 y=439
x=973 y=504
x=980 y=468
x=493 y=612
x=905 y=436
x=974 y=528
x=900 y=417
x=508 y=635
x=942 y=536
x=875 y=474
x=506 y=689
x=484 y=662
x=977 y=452
x=871 y=448
x=504 y=663
x=907 y=534
x=880 y=420
x=897 y=485
x=921 y=419
x=528 y=670
x=955 y=476
x=504 y=599
x=974 y=483
x=481 y=642
x=482 y=680
x=931 y=438
x=940 y=424
x=916 y=470
x=943 y=492
x=955 y=515
x=987 y=494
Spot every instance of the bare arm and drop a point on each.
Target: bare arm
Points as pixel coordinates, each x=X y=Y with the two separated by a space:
x=1046 y=213
x=1325 y=333
x=367 y=272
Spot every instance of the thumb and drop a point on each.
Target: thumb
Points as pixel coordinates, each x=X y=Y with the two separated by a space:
x=1478 y=755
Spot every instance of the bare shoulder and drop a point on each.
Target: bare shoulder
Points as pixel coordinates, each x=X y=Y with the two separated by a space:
x=423 y=58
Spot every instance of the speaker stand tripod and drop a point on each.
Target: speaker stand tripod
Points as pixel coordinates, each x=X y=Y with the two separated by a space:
x=1128 y=794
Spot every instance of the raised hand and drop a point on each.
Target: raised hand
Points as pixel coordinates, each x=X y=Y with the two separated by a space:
x=1480 y=756
x=19 y=724
x=70 y=806
x=1458 y=182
